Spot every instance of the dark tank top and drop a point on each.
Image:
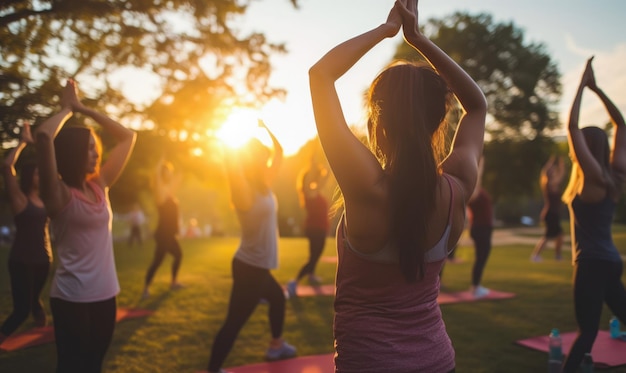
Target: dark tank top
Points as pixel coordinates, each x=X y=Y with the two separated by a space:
x=32 y=241
x=554 y=202
x=168 y=218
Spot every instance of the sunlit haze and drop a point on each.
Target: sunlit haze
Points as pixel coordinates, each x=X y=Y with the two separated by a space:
x=571 y=31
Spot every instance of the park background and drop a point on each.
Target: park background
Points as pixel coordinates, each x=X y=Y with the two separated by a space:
x=179 y=71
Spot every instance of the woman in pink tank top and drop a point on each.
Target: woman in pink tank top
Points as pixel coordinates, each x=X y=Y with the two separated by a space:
x=404 y=200
x=74 y=190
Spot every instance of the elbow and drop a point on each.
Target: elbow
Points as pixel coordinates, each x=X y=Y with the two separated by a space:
x=42 y=137
x=480 y=106
x=318 y=74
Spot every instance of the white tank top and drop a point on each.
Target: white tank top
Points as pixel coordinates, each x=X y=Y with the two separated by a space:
x=83 y=241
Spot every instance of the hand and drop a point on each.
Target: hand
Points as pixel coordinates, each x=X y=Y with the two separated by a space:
x=409 y=13
x=394 y=20
x=26 y=135
x=590 y=77
x=69 y=97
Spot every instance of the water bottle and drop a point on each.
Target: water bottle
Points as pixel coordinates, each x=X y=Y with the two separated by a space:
x=587 y=365
x=614 y=328
x=555 y=352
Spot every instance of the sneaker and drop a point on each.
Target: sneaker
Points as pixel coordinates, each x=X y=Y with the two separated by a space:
x=480 y=292
x=285 y=351
x=291 y=289
x=535 y=258
x=145 y=295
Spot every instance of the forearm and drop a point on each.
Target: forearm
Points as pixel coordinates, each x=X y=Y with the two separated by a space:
x=119 y=132
x=51 y=126
x=614 y=113
x=575 y=109
x=341 y=58
x=12 y=157
x=464 y=87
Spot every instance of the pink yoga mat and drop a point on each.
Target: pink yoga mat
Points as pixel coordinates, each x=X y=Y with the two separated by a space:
x=304 y=364
x=39 y=336
x=467 y=296
x=606 y=352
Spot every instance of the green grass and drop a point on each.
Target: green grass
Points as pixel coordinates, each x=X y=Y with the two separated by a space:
x=178 y=336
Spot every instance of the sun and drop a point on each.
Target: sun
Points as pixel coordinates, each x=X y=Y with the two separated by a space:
x=239 y=128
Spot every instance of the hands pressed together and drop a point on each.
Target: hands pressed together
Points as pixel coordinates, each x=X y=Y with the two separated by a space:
x=404 y=14
x=589 y=78
x=69 y=96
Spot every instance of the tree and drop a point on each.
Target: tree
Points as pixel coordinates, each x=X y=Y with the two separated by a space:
x=191 y=47
x=520 y=81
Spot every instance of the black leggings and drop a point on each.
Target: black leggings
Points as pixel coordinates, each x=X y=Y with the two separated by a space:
x=27 y=280
x=317 y=240
x=83 y=333
x=250 y=284
x=595 y=283
x=165 y=245
x=482 y=246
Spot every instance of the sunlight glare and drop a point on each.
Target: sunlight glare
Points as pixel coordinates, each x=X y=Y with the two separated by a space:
x=239 y=128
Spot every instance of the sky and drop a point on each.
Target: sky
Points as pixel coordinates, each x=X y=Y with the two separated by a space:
x=570 y=30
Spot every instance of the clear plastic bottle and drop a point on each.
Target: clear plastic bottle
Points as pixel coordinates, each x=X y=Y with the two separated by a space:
x=555 y=352
x=614 y=328
x=587 y=365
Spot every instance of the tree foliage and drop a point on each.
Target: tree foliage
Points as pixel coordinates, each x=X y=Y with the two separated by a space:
x=520 y=80
x=192 y=48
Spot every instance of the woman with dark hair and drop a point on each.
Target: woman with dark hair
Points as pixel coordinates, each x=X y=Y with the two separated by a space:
x=404 y=204
x=29 y=256
x=251 y=171
x=74 y=190
x=166 y=234
x=550 y=181
x=595 y=186
x=316 y=221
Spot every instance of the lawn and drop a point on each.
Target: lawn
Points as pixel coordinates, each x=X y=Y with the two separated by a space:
x=178 y=336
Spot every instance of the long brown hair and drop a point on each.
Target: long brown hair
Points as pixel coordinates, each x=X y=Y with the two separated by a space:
x=407 y=106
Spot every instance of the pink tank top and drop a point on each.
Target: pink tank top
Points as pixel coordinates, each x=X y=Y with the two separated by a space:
x=384 y=323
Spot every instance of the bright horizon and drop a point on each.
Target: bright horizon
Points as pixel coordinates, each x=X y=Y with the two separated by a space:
x=319 y=25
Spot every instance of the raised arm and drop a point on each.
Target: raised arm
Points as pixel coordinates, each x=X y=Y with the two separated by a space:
x=17 y=199
x=241 y=194
x=594 y=183
x=277 y=154
x=467 y=147
x=479 y=180
x=125 y=138
x=618 y=155
x=54 y=193
x=356 y=169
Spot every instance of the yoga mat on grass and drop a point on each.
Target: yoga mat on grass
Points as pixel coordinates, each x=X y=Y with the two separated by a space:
x=467 y=296
x=312 y=291
x=38 y=336
x=606 y=352
x=305 y=364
